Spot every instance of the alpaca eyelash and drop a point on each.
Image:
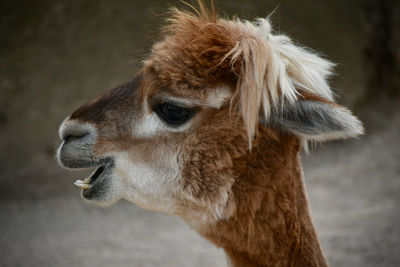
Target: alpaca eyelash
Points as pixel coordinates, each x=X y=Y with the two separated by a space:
x=172 y=114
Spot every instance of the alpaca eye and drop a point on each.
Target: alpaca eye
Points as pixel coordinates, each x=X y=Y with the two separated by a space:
x=172 y=114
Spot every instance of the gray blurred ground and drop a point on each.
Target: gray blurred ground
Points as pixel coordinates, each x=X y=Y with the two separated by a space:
x=56 y=54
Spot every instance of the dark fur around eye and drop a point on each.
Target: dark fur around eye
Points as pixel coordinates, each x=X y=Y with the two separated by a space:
x=173 y=115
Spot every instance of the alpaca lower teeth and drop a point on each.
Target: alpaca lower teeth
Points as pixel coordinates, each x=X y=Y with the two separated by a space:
x=82 y=184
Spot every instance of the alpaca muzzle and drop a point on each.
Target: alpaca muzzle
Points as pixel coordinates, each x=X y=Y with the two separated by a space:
x=76 y=152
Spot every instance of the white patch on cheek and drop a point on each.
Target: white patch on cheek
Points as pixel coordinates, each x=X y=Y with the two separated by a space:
x=148 y=126
x=151 y=125
x=218 y=96
x=149 y=187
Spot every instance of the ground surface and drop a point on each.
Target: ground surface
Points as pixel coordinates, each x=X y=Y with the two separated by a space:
x=354 y=193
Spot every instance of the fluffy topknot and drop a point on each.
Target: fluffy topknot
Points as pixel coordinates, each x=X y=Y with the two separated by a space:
x=267 y=70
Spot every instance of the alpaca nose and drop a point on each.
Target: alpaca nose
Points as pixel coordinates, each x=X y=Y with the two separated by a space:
x=72 y=130
x=76 y=150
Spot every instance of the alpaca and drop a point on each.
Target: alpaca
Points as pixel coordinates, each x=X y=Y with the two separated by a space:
x=210 y=130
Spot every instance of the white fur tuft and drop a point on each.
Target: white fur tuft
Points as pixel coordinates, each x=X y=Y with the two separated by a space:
x=273 y=69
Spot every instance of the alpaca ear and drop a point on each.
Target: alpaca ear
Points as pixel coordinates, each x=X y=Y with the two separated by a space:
x=316 y=120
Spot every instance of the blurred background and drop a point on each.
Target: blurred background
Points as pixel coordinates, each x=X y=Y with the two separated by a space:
x=56 y=54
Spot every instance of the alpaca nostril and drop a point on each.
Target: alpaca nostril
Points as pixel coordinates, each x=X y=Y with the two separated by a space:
x=71 y=137
x=73 y=130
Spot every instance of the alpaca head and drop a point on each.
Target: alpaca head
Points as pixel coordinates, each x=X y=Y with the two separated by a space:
x=167 y=139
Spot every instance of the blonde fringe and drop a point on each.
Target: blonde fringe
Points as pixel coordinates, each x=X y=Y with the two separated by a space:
x=273 y=70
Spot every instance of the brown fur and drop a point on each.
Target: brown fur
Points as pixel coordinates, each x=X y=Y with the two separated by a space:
x=250 y=201
x=195 y=55
x=202 y=51
x=266 y=218
x=270 y=224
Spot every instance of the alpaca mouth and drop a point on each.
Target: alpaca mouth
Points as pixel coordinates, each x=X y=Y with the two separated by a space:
x=88 y=182
x=77 y=153
x=94 y=186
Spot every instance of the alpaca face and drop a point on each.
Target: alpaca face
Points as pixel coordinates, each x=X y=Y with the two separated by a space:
x=139 y=137
x=168 y=139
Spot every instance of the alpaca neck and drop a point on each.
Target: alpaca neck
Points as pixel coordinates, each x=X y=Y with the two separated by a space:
x=271 y=225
